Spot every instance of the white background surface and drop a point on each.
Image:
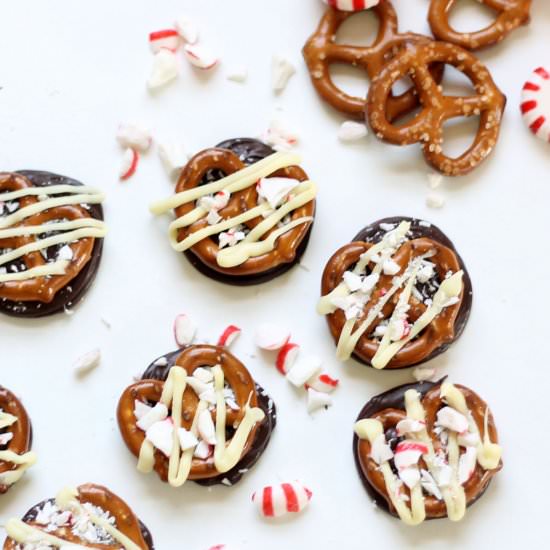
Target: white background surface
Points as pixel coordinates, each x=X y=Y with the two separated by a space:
x=70 y=72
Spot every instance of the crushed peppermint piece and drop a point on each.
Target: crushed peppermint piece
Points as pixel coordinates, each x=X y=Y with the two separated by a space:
x=174 y=157
x=156 y=414
x=238 y=73
x=167 y=39
x=434 y=180
x=202 y=450
x=281 y=71
x=429 y=485
x=187 y=439
x=276 y=190
x=184 y=330
x=409 y=425
x=280 y=135
x=160 y=434
x=423 y=374
x=271 y=337
x=435 y=200
x=323 y=383
x=129 y=164
x=87 y=362
x=467 y=464
x=287 y=357
x=450 y=418
x=408 y=453
x=134 y=136
x=351 y=130
x=380 y=451
x=229 y=335
x=187 y=29
x=206 y=427
x=165 y=69
x=303 y=370
x=200 y=57
x=317 y=400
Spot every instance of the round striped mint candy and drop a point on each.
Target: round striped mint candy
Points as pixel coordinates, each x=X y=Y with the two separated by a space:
x=535 y=103
x=275 y=501
x=352 y=5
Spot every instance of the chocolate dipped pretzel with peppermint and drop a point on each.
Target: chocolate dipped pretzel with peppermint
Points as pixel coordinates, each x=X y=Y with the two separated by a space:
x=426 y=450
x=15 y=440
x=397 y=295
x=197 y=414
x=243 y=211
x=51 y=239
x=88 y=516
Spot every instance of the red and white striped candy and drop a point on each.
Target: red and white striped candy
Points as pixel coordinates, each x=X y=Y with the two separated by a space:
x=352 y=5
x=408 y=453
x=278 y=500
x=535 y=103
x=130 y=161
x=200 y=57
x=229 y=335
x=166 y=39
x=323 y=383
x=287 y=357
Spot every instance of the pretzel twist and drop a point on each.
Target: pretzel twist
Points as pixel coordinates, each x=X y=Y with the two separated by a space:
x=236 y=376
x=321 y=51
x=427 y=126
x=511 y=15
x=432 y=403
x=42 y=289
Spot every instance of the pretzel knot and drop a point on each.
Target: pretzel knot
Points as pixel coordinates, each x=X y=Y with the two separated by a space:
x=321 y=51
x=427 y=126
x=439 y=446
x=15 y=421
x=245 y=402
x=511 y=15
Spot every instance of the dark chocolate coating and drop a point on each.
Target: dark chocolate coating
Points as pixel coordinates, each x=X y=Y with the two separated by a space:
x=73 y=292
x=249 y=151
x=373 y=234
x=391 y=399
x=33 y=512
x=263 y=434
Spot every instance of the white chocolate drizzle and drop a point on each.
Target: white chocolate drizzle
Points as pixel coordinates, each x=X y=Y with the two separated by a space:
x=71 y=231
x=66 y=500
x=451 y=490
x=22 y=462
x=180 y=461
x=251 y=246
x=446 y=295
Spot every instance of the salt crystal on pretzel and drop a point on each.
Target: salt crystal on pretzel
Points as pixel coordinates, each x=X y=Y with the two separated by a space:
x=128 y=166
x=352 y=131
x=174 y=157
x=323 y=383
x=200 y=57
x=187 y=439
x=160 y=434
x=271 y=337
x=408 y=453
x=184 y=330
x=229 y=335
x=275 y=190
x=287 y=357
x=281 y=71
x=450 y=418
x=165 y=69
x=317 y=400
x=157 y=413
x=134 y=136
x=467 y=464
x=535 y=103
x=409 y=425
x=187 y=29
x=303 y=370
x=206 y=428
x=352 y=5
x=380 y=451
x=278 y=500
x=167 y=39
x=87 y=362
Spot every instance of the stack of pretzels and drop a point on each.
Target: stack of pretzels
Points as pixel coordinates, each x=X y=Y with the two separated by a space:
x=394 y=55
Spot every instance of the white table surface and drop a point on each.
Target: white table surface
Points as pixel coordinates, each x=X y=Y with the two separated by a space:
x=70 y=72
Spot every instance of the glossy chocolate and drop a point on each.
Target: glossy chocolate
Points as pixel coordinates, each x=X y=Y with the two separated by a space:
x=74 y=291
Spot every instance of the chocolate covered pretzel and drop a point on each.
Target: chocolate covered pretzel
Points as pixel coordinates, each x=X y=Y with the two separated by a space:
x=426 y=127
x=397 y=295
x=321 y=51
x=426 y=450
x=197 y=414
x=511 y=14
x=243 y=212
x=51 y=238
x=15 y=440
x=89 y=516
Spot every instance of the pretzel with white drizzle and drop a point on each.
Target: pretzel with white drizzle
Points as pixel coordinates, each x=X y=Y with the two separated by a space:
x=426 y=127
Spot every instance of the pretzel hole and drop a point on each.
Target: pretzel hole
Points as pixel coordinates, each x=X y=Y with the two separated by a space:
x=353 y=81
x=456 y=83
x=471 y=16
x=402 y=86
x=360 y=29
x=459 y=134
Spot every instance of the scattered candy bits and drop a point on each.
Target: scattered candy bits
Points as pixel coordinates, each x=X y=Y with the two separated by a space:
x=352 y=5
x=280 y=135
x=129 y=164
x=352 y=131
x=200 y=57
x=535 y=103
x=174 y=157
x=271 y=337
x=229 y=335
x=167 y=39
x=87 y=362
x=281 y=71
x=184 y=330
x=279 y=500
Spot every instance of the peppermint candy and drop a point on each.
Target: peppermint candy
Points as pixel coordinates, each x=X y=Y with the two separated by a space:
x=352 y=5
x=535 y=103
x=278 y=500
